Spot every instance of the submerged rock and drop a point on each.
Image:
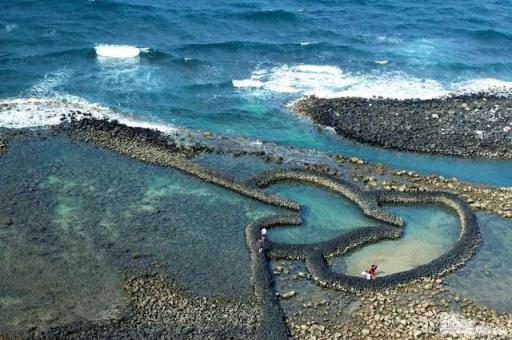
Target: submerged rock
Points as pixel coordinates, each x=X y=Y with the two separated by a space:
x=288 y=295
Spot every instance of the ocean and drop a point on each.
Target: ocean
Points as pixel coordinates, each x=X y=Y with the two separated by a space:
x=234 y=67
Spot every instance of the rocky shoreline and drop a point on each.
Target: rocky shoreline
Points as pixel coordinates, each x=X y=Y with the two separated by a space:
x=473 y=125
x=424 y=310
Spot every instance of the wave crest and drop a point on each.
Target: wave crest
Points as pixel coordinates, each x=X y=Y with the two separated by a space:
x=47 y=86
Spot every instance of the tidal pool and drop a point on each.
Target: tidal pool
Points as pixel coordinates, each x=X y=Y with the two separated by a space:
x=429 y=232
x=75 y=219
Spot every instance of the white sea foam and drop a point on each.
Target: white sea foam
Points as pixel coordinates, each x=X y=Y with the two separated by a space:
x=389 y=40
x=119 y=51
x=482 y=84
x=34 y=112
x=330 y=81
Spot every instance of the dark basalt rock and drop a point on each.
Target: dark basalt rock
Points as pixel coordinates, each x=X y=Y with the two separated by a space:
x=114 y=128
x=473 y=125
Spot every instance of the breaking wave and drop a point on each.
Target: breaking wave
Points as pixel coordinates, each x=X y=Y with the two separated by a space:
x=32 y=112
x=119 y=51
x=330 y=81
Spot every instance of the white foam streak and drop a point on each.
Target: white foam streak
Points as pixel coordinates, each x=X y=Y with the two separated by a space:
x=330 y=81
x=46 y=86
x=42 y=112
x=389 y=40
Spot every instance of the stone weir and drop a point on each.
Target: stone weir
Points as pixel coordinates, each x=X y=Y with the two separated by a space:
x=315 y=254
x=473 y=125
x=146 y=146
x=152 y=147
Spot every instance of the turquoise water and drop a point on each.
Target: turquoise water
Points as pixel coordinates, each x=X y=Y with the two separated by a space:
x=75 y=219
x=232 y=67
x=429 y=230
x=325 y=215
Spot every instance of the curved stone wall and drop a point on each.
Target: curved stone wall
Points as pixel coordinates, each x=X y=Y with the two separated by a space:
x=364 y=199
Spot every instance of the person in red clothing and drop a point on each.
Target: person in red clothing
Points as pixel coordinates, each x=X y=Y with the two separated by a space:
x=373 y=272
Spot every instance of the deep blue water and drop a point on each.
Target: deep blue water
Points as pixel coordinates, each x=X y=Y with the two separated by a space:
x=274 y=51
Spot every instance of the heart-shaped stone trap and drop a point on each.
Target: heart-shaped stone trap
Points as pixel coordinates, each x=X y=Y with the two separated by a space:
x=315 y=254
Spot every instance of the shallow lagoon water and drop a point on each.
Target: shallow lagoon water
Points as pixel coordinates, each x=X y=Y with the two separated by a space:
x=240 y=168
x=76 y=218
x=95 y=215
x=429 y=232
x=232 y=67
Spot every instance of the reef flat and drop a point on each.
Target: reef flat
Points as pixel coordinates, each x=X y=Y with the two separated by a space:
x=472 y=125
x=158 y=308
